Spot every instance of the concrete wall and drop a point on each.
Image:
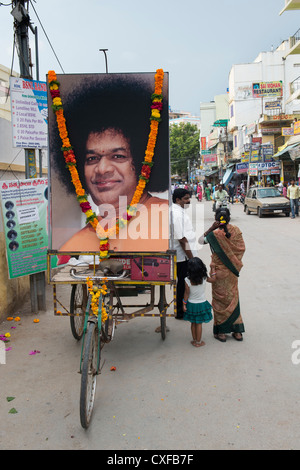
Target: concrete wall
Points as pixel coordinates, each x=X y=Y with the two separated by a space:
x=13 y=292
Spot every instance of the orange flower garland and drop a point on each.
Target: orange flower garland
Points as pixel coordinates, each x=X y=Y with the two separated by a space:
x=70 y=160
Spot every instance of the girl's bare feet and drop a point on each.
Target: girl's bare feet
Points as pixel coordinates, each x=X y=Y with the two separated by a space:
x=198 y=344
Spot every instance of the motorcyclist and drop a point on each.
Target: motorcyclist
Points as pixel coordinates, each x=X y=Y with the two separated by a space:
x=220 y=195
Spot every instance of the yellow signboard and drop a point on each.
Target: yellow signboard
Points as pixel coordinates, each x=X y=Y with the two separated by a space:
x=296 y=127
x=262 y=89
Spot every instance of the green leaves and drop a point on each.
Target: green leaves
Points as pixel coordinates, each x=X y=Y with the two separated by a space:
x=184 y=146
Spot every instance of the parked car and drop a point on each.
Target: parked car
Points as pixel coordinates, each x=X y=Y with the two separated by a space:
x=266 y=201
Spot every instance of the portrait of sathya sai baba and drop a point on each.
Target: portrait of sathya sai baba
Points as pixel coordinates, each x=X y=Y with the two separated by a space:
x=109 y=162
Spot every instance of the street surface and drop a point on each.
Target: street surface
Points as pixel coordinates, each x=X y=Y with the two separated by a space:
x=168 y=395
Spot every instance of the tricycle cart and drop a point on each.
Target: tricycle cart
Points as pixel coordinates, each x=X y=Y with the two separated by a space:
x=125 y=275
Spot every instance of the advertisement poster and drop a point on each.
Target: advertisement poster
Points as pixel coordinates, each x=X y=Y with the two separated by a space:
x=29 y=111
x=108 y=121
x=25 y=215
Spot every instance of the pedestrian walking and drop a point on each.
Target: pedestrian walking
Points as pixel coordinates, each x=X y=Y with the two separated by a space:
x=228 y=247
x=231 y=191
x=196 y=308
x=293 y=195
x=199 y=192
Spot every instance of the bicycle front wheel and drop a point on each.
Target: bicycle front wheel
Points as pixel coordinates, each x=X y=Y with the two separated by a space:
x=91 y=360
x=78 y=302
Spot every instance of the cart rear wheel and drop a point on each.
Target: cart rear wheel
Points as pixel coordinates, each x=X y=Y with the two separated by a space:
x=91 y=359
x=78 y=302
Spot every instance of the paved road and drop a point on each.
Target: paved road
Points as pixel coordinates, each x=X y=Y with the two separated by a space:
x=167 y=394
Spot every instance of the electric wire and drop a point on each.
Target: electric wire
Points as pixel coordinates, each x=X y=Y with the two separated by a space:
x=47 y=37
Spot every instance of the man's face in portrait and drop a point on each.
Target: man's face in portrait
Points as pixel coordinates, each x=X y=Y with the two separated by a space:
x=108 y=168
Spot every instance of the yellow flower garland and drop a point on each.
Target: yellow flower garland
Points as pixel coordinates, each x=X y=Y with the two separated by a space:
x=95 y=295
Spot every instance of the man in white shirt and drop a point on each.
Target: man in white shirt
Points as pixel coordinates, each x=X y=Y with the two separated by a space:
x=185 y=242
x=220 y=195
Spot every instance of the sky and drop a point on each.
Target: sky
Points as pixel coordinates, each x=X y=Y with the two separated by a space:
x=196 y=41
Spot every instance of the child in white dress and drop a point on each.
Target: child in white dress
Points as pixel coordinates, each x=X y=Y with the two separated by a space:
x=196 y=308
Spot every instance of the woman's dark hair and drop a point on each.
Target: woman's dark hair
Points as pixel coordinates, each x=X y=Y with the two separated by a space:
x=115 y=101
x=196 y=270
x=223 y=212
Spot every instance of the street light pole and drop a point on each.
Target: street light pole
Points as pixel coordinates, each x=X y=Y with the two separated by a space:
x=104 y=52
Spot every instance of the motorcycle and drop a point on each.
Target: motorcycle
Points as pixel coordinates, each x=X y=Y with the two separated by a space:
x=242 y=198
x=224 y=204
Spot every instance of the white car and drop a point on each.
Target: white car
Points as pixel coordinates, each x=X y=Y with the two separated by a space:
x=266 y=201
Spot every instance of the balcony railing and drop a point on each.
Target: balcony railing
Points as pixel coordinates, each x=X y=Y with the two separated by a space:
x=295 y=38
x=295 y=85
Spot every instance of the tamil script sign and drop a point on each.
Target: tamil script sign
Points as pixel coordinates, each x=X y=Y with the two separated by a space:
x=25 y=209
x=242 y=167
x=29 y=110
x=287 y=131
x=262 y=89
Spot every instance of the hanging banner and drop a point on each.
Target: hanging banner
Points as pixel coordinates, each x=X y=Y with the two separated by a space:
x=29 y=111
x=25 y=215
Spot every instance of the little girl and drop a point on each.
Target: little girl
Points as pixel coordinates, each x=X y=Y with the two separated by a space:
x=196 y=308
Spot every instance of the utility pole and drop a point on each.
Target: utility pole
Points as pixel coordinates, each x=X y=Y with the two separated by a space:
x=21 y=25
x=250 y=157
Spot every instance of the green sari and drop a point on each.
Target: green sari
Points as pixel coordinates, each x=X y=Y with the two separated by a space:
x=227 y=254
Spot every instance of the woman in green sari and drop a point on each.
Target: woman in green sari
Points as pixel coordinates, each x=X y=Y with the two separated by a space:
x=228 y=247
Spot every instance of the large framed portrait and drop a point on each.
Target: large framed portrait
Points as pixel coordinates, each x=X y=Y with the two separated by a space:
x=108 y=123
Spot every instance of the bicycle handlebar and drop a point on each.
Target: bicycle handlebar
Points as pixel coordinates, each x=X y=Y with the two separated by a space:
x=95 y=278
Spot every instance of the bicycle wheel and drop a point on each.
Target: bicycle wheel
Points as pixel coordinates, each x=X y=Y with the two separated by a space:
x=78 y=302
x=108 y=329
x=163 y=326
x=162 y=309
x=91 y=358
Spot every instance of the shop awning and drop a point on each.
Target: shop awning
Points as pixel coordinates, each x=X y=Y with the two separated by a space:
x=227 y=175
x=291 y=149
x=211 y=172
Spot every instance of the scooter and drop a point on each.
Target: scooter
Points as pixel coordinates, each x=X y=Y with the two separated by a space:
x=224 y=204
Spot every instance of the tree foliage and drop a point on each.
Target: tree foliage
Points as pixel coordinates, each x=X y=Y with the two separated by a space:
x=184 y=146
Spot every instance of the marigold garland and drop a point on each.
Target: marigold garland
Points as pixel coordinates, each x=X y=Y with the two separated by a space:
x=95 y=295
x=70 y=160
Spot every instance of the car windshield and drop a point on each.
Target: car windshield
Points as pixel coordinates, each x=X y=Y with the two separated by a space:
x=268 y=192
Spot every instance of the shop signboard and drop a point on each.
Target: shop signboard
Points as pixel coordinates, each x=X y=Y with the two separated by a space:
x=287 y=131
x=296 y=127
x=29 y=111
x=254 y=156
x=209 y=158
x=267 y=151
x=269 y=89
x=203 y=143
x=242 y=167
x=270 y=130
x=273 y=105
x=253 y=169
x=25 y=214
x=268 y=166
